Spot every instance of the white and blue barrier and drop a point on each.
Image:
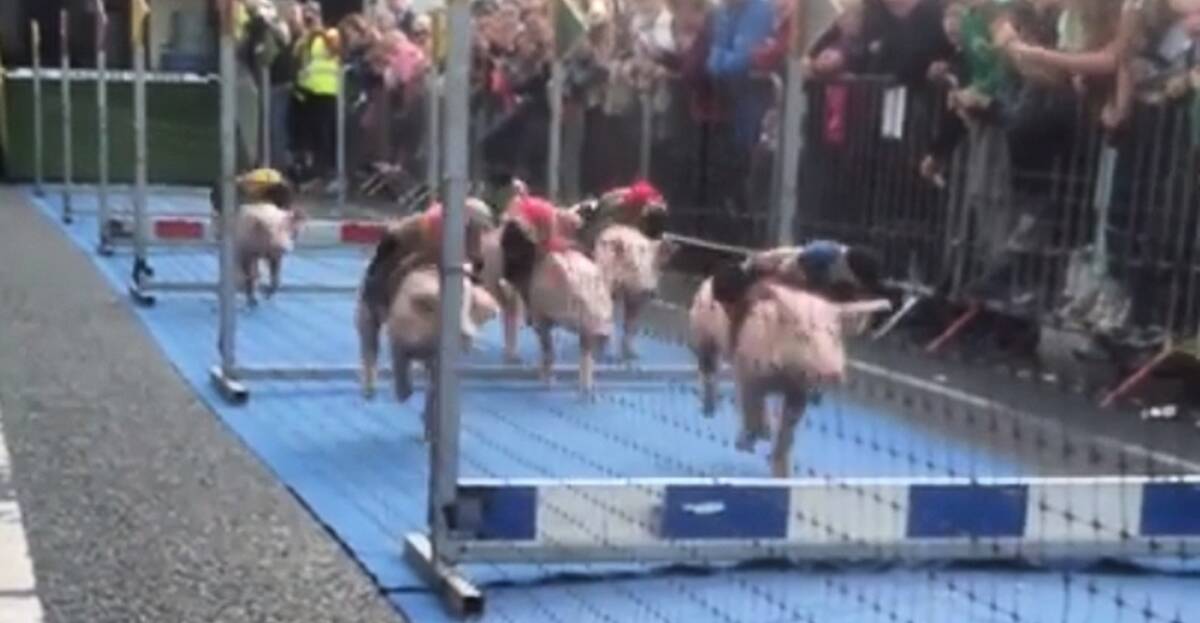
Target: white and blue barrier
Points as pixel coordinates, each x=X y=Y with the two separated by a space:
x=729 y=520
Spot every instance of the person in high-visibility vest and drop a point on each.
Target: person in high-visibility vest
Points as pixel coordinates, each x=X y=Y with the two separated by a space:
x=316 y=91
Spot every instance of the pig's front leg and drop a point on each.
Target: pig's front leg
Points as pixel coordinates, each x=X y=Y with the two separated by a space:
x=546 y=343
x=629 y=329
x=248 y=268
x=512 y=326
x=368 y=326
x=401 y=373
x=781 y=454
x=754 y=415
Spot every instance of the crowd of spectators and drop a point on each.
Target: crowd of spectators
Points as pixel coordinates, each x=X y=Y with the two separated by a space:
x=997 y=89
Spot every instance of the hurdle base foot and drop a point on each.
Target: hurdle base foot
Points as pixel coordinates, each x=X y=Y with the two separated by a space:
x=459 y=595
x=230 y=389
x=141 y=296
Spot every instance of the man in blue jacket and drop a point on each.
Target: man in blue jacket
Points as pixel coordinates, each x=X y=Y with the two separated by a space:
x=739 y=27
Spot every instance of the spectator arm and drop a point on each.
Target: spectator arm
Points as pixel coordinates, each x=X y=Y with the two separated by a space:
x=1101 y=62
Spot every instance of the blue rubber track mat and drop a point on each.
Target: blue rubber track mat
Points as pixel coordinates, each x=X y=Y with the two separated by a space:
x=362 y=469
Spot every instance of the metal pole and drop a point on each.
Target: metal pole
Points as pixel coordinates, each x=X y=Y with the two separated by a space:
x=791 y=143
x=791 y=138
x=102 y=121
x=264 y=90
x=444 y=472
x=646 y=138
x=36 y=38
x=228 y=321
x=433 y=153
x=67 y=123
x=140 y=266
x=341 y=139
x=1101 y=203
x=556 y=122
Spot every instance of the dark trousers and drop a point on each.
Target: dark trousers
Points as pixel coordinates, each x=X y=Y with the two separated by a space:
x=316 y=136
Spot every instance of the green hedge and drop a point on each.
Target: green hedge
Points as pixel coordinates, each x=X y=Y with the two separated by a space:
x=182 y=132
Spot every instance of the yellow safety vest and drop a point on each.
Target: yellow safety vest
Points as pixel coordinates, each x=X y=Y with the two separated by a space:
x=320 y=73
x=241 y=18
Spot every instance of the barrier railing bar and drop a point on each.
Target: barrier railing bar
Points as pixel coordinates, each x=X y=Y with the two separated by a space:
x=564 y=374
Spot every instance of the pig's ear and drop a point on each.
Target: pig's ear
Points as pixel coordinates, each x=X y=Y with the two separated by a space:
x=654 y=223
x=731 y=282
x=867 y=266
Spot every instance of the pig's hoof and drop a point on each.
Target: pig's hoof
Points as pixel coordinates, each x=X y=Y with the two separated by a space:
x=512 y=358
x=781 y=467
x=708 y=402
x=251 y=303
x=745 y=442
x=369 y=392
x=403 y=393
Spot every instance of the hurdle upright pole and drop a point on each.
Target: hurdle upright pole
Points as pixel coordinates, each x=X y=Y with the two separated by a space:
x=445 y=452
x=67 y=123
x=791 y=133
x=223 y=375
x=102 y=127
x=35 y=35
x=141 y=268
x=433 y=152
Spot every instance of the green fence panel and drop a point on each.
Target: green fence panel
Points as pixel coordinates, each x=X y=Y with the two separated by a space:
x=182 y=138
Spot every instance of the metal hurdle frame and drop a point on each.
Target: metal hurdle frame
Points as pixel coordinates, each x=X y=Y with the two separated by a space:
x=174 y=231
x=35 y=33
x=67 y=121
x=104 y=245
x=729 y=520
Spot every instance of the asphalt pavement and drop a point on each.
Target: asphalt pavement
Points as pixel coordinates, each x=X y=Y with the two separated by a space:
x=138 y=504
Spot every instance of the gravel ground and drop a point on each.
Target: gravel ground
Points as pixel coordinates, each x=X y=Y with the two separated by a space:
x=139 y=505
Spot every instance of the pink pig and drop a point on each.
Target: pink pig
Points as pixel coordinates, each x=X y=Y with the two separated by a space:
x=708 y=338
x=263 y=231
x=413 y=323
x=790 y=343
x=631 y=264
